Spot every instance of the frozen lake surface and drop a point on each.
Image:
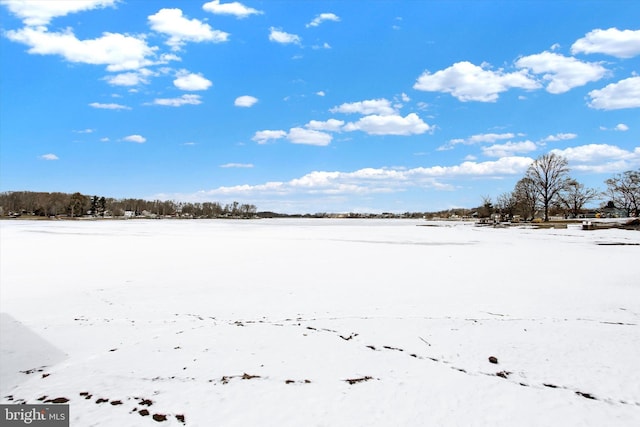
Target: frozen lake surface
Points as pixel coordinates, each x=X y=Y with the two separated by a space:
x=321 y=322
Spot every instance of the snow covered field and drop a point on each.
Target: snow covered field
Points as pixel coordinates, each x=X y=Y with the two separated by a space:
x=321 y=323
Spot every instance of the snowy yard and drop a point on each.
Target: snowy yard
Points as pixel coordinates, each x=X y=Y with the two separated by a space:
x=321 y=322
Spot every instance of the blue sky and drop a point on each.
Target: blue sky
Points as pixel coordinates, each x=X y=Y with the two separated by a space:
x=314 y=106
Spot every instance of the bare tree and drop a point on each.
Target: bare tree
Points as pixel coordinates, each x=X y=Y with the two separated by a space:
x=486 y=209
x=549 y=175
x=575 y=196
x=526 y=197
x=78 y=204
x=247 y=210
x=625 y=191
x=506 y=204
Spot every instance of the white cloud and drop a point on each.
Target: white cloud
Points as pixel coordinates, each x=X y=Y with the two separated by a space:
x=363 y=181
x=601 y=158
x=320 y=93
x=237 y=165
x=178 y=102
x=181 y=30
x=468 y=82
x=389 y=125
x=234 y=8
x=614 y=42
x=268 y=188
x=168 y=57
x=324 y=45
x=621 y=127
x=593 y=152
x=308 y=137
x=503 y=166
x=110 y=106
x=279 y=36
x=117 y=51
x=139 y=139
x=126 y=79
x=264 y=136
x=379 y=180
x=509 y=149
x=105 y=139
x=372 y=106
x=295 y=135
x=477 y=139
x=560 y=137
x=319 y=19
x=331 y=125
x=132 y=78
x=49 y=156
x=35 y=13
x=245 y=101
x=487 y=137
x=315 y=131
x=84 y=131
x=190 y=81
x=561 y=72
x=616 y=96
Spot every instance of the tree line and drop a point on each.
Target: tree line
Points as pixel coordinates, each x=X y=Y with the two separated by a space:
x=17 y=203
x=548 y=188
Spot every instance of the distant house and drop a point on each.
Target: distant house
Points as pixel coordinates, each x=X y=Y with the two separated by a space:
x=129 y=214
x=613 y=212
x=145 y=213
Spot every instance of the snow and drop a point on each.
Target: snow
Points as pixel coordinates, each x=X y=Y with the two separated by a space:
x=244 y=323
